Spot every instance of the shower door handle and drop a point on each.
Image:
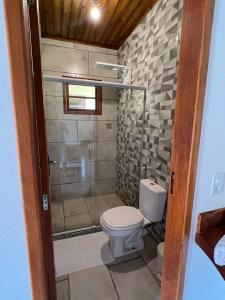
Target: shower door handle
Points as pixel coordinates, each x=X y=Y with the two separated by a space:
x=172 y=182
x=50 y=163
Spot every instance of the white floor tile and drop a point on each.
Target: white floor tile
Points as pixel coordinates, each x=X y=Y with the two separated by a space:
x=81 y=252
x=94 y=240
x=96 y=257
x=67 y=256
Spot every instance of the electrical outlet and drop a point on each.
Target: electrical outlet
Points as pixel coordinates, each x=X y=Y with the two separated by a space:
x=218 y=181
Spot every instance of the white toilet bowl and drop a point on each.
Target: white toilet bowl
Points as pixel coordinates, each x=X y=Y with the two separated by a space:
x=124 y=225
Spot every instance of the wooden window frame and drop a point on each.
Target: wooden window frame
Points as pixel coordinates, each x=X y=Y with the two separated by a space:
x=98 y=101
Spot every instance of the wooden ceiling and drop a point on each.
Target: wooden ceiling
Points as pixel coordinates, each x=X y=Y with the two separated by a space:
x=69 y=20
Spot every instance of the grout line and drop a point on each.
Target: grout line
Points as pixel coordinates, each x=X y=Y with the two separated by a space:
x=87 y=181
x=113 y=282
x=88 y=141
x=150 y=271
x=69 y=286
x=81 y=74
x=88 y=211
x=64 y=215
x=61 y=96
x=125 y=261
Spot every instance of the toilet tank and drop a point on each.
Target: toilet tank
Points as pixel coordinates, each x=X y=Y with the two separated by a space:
x=152 y=199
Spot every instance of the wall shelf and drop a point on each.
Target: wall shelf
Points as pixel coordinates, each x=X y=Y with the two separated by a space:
x=210 y=229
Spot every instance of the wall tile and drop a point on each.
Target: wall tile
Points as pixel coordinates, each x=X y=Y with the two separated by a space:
x=67 y=172
x=106 y=130
x=61 y=131
x=109 y=111
x=61 y=152
x=53 y=107
x=105 y=169
x=70 y=191
x=57 y=43
x=102 y=187
x=62 y=59
x=87 y=170
x=152 y=52
x=105 y=150
x=95 y=49
x=52 y=88
x=109 y=93
x=94 y=57
x=86 y=130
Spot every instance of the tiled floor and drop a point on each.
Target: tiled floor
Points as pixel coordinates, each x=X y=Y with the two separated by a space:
x=98 y=278
x=80 y=213
x=81 y=252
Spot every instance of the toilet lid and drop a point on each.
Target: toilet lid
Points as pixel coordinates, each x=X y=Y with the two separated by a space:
x=122 y=217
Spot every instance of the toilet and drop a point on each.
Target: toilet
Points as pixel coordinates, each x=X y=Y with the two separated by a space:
x=125 y=224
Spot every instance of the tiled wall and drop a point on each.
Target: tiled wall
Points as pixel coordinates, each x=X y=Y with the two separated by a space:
x=152 y=52
x=84 y=146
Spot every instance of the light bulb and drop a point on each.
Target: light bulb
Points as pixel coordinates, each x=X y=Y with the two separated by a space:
x=95 y=13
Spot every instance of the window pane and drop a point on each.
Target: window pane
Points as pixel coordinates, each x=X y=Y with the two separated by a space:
x=75 y=103
x=82 y=103
x=82 y=91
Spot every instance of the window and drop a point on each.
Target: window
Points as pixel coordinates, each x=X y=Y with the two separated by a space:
x=81 y=99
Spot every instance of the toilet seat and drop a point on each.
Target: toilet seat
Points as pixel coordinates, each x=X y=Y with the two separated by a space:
x=122 y=218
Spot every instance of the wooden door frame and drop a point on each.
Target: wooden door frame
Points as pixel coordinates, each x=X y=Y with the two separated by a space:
x=42 y=144
x=193 y=68
x=193 y=63
x=21 y=20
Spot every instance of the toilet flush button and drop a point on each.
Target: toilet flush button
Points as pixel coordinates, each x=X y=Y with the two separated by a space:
x=218 y=181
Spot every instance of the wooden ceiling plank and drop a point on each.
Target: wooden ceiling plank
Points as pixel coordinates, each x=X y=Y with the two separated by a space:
x=80 y=20
x=67 y=8
x=132 y=23
x=58 y=6
x=85 y=20
x=74 y=18
x=108 y=14
x=92 y=28
x=112 y=20
x=122 y=21
x=49 y=9
x=69 y=20
x=42 y=16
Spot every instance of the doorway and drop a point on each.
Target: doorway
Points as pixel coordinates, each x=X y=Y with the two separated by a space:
x=172 y=281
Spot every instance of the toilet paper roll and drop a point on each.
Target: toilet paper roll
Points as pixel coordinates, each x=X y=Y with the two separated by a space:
x=219 y=252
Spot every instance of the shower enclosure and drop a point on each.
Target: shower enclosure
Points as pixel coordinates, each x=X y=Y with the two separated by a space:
x=87 y=155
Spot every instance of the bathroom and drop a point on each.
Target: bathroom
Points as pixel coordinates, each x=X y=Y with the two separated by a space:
x=102 y=160
x=112 y=176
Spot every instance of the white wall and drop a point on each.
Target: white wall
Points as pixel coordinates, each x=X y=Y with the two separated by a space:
x=14 y=275
x=202 y=281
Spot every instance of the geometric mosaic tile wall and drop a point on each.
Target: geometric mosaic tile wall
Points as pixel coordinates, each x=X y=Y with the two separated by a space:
x=145 y=139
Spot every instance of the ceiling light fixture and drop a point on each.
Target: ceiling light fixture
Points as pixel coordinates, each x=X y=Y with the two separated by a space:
x=95 y=12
